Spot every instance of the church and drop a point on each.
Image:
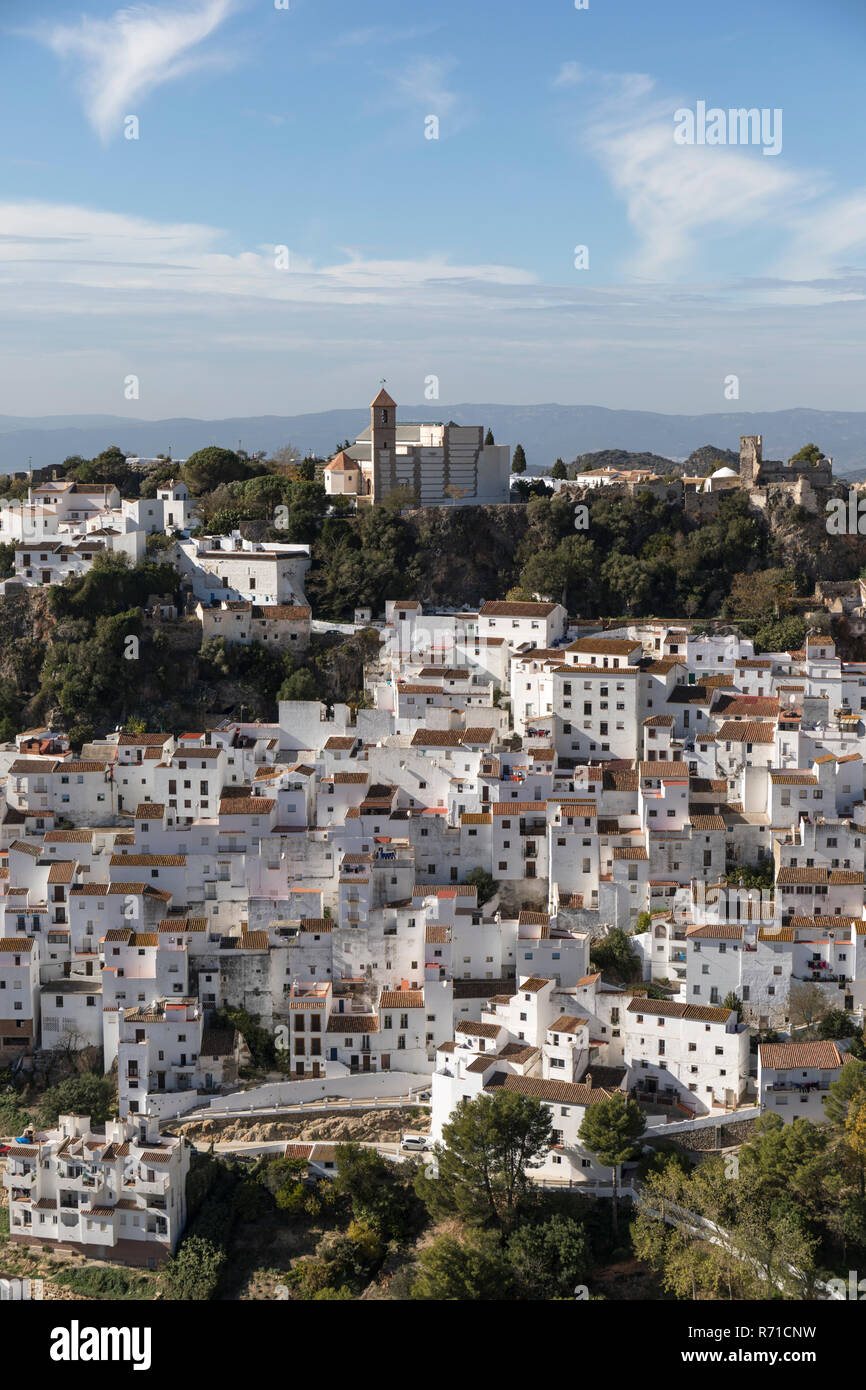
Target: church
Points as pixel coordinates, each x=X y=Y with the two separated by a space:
x=441 y=465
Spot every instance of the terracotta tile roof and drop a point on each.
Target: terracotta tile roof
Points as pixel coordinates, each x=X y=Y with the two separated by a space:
x=435 y=890
x=604 y=646
x=699 y=1013
x=254 y=941
x=62 y=871
x=747 y=706
x=533 y=985
x=340 y=742
x=746 y=731
x=620 y=780
x=246 y=806
x=504 y=609
x=147 y=861
x=508 y=808
x=480 y=1030
x=353 y=1023
x=667 y=771
x=566 y=1023
x=718 y=931
x=183 y=924
x=700 y=821
x=799 y=875
x=790 y=1056
x=217 y=1042
x=282 y=612
x=562 y=1092
x=401 y=999
x=149 y=810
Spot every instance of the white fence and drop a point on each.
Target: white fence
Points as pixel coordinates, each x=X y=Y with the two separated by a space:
x=279 y=1095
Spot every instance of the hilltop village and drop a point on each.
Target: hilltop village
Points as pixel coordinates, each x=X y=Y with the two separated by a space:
x=563 y=859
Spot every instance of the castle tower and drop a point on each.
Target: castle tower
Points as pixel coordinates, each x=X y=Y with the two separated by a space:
x=383 y=443
x=750 y=459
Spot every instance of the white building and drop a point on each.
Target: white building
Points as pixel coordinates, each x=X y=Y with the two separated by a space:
x=794 y=1079
x=117 y=1195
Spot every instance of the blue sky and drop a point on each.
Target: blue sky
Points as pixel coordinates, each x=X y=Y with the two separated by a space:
x=409 y=257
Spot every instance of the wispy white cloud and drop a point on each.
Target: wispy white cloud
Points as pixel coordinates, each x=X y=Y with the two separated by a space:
x=678 y=198
x=84 y=248
x=91 y=295
x=424 y=84
x=569 y=75
x=121 y=60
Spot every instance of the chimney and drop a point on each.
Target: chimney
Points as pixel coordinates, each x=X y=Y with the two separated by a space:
x=54 y=475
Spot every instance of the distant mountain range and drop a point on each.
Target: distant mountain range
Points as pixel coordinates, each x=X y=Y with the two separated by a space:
x=546 y=432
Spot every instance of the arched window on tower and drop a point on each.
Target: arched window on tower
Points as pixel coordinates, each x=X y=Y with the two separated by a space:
x=384 y=417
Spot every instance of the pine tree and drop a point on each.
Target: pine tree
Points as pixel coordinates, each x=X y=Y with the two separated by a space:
x=610 y=1130
x=518 y=463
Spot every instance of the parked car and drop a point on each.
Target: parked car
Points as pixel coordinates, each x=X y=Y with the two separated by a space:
x=415 y=1143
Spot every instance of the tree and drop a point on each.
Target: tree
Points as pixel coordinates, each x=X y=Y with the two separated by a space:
x=483 y=882
x=731 y=1001
x=457 y=1270
x=754 y=595
x=80 y=734
x=207 y=468
x=549 y=1259
x=488 y=438
x=89 y=1094
x=491 y=1144
x=194 y=1272
x=849 y=1088
x=518 y=462
x=615 y=957
x=807 y=1003
x=610 y=1129
x=559 y=469
x=284 y=460
x=300 y=685
x=379 y=1196
x=810 y=453
x=837 y=1024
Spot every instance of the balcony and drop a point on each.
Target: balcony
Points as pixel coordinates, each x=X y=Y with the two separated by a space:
x=21 y=1179
x=156 y=1187
x=784 y=1087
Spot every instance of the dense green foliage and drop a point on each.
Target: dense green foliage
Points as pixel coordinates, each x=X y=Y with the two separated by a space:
x=490 y=1146
x=483 y=882
x=89 y=1094
x=616 y=958
x=97 y=1281
x=790 y=1210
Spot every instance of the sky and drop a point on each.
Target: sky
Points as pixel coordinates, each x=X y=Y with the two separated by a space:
x=233 y=207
